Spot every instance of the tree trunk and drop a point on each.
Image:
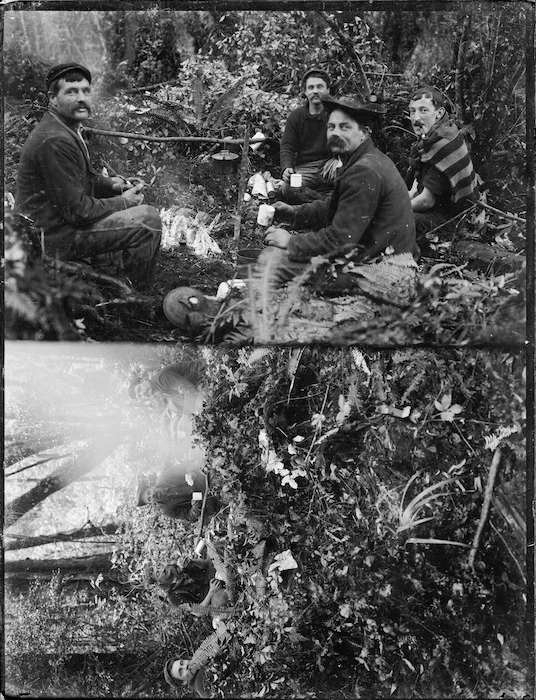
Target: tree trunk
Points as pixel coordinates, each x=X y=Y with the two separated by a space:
x=17 y=450
x=87 y=460
x=81 y=533
x=33 y=568
x=460 y=68
x=129 y=37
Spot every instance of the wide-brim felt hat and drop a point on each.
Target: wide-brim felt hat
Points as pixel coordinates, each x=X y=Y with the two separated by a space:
x=62 y=69
x=142 y=486
x=353 y=107
x=200 y=684
x=174 y=682
x=181 y=305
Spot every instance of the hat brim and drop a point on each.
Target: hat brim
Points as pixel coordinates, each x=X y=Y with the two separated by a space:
x=175 y=309
x=358 y=109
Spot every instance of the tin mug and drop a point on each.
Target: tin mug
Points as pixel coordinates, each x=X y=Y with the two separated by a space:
x=265 y=215
x=295 y=180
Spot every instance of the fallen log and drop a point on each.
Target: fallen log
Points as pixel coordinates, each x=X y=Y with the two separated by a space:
x=482 y=255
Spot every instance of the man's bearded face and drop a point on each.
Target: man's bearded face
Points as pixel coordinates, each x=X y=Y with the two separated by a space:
x=423 y=115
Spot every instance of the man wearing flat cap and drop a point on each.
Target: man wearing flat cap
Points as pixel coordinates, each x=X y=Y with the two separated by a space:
x=304 y=148
x=79 y=212
x=368 y=216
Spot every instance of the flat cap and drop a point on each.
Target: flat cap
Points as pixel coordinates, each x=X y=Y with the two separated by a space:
x=61 y=69
x=352 y=107
x=316 y=71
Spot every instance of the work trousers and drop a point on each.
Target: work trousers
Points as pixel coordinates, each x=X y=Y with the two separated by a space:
x=425 y=221
x=135 y=232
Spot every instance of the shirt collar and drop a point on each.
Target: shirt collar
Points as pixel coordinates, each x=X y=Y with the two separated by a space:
x=74 y=129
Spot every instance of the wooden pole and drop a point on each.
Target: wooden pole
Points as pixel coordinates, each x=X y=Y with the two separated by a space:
x=486 y=505
x=242 y=184
x=185 y=139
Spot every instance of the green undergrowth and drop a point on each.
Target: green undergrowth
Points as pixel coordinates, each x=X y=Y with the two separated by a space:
x=310 y=450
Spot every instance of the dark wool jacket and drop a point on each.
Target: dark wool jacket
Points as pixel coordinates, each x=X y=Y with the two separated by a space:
x=174 y=497
x=369 y=208
x=56 y=186
x=304 y=138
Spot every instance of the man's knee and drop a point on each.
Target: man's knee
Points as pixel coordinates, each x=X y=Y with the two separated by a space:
x=271 y=255
x=427 y=221
x=423 y=223
x=147 y=215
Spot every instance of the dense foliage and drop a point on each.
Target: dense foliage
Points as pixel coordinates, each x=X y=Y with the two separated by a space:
x=316 y=449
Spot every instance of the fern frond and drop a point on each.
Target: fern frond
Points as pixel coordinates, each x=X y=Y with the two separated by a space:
x=217 y=113
x=158 y=120
x=491 y=442
x=359 y=361
x=171 y=112
x=415 y=385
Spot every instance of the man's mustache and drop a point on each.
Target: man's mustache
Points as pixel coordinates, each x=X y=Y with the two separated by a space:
x=335 y=141
x=83 y=104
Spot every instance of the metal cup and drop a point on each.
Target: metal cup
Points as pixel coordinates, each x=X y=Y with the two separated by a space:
x=296 y=180
x=265 y=215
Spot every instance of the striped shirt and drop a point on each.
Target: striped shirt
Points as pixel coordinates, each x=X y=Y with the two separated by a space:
x=444 y=148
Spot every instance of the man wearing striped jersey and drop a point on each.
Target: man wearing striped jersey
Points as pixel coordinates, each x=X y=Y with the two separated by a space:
x=441 y=178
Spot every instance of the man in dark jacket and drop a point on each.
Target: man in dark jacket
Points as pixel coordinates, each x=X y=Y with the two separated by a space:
x=79 y=212
x=179 y=492
x=304 y=148
x=368 y=214
x=441 y=178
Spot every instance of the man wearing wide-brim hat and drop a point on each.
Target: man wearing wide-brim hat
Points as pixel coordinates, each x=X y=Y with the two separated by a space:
x=367 y=217
x=78 y=212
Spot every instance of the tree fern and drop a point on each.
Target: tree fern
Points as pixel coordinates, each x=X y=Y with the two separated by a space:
x=221 y=109
x=170 y=114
